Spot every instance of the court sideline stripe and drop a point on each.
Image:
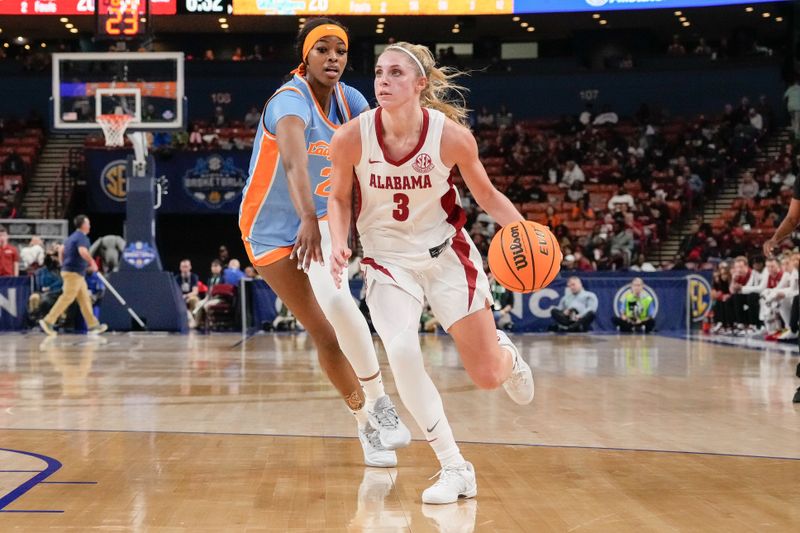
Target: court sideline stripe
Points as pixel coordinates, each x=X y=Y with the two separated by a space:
x=528 y=445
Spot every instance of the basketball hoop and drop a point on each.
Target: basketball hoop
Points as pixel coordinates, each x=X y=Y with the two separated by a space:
x=114 y=127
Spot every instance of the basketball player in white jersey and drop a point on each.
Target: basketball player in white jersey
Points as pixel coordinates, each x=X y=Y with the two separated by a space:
x=410 y=222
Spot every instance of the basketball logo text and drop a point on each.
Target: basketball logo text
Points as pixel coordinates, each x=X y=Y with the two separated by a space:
x=520 y=261
x=542 y=239
x=113 y=181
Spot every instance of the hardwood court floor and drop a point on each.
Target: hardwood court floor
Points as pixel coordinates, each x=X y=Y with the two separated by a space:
x=197 y=433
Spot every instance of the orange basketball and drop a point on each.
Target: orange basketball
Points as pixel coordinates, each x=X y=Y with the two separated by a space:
x=524 y=256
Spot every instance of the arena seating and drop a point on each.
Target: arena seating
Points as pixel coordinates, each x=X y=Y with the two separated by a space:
x=20 y=144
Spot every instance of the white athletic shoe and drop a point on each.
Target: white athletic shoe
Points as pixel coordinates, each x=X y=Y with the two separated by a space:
x=375 y=454
x=458 y=518
x=393 y=433
x=455 y=481
x=519 y=384
x=788 y=335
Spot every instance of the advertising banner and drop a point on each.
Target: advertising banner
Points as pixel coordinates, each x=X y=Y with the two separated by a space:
x=14 y=293
x=198 y=182
x=681 y=300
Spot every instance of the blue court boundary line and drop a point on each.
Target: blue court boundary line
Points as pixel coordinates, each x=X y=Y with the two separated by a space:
x=528 y=445
x=52 y=467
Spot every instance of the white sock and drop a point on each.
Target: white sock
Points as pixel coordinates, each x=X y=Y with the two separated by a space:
x=373 y=389
x=361 y=418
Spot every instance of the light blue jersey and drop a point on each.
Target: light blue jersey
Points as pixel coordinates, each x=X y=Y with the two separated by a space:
x=267 y=217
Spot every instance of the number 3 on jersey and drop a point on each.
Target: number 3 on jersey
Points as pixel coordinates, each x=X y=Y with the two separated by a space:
x=401 y=207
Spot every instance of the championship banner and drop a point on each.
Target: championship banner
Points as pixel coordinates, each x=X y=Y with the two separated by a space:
x=14 y=293
x=198 y=182
x=681 y=300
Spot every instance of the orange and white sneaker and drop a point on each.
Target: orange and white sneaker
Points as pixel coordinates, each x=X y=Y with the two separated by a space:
x=519 y=384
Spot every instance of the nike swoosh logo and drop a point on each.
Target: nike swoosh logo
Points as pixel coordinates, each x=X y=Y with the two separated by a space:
x=434 y=426
x=371 y=162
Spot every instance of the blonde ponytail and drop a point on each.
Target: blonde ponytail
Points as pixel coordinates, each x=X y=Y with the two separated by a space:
x=441 y=93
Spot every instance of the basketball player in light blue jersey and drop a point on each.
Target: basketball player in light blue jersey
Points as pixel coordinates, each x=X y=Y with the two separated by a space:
x=283 y=220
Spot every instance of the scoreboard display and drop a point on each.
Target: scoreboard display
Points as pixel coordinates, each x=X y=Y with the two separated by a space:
x=460 y=7
x=372 y=7
x=119 y=19
x=73 y=7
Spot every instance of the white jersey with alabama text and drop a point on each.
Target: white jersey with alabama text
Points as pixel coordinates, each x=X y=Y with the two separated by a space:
x=407 y=206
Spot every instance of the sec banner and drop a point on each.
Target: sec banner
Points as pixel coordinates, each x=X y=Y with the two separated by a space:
x=14 y=293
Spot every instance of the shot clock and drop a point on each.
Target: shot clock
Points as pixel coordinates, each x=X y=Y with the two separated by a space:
x=121 y=19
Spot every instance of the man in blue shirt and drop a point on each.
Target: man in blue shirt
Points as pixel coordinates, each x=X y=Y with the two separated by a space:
x=576 y=310
x=75 y=258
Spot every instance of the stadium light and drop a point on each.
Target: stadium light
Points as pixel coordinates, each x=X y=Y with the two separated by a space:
x=596 y=16
x=301 y=20
x=524 y=24
x=603 y=22
x=44 y=45
x=748 y=9
x=63 y=19
x=777 y=19
x=224 y=26
x=678 y=13
x=531 y=28
x=378 y=30
x=73 y=30
x=765 y=14
x=69 y=25
x=223 y=20
x=379 y=25
x=682 y=19
x=455 y=30
x=381 y=19
x=687 y=24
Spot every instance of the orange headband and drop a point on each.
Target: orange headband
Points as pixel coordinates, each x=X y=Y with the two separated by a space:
x=315 y=35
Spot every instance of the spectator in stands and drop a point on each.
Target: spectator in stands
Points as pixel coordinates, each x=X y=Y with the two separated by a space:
x=219 y=120
x=208 y=55
x=622 y=197
x=583 y=210
x=252 y=117
x=32 y=255
x=638 y=311
x=778 y=282
x=792 y=97
x=108 y=248
x=606 y=116
x=75 y=259
x=250 y=272
x=702 y=49
x=621 y=246
x=47 y=287
x=676 y=49
x=223 y=255
x=196 y=138
x=572 y=173
x=585 y=118
x=744 y=296
x=582 y=263
x=13 y=164
x=577 y=309
x=503 y=117
x=209 y=301
x=576 y=193
x=484 y=120
x=237 y=55
x=748 y=187
x=233 y=273
x=721 y=309
x=756 y=120
x=503 y=304
x=187 y=282
x=527 y=190
x=9 y=256
x=256 y=55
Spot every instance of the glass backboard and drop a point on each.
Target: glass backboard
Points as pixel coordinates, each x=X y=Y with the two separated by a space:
x=146 y=85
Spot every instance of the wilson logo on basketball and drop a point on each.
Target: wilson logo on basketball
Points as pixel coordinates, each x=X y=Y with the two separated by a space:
x=520 y=261
x=423 y=163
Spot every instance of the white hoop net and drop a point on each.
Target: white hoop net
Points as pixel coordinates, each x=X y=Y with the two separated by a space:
x=114 y=127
